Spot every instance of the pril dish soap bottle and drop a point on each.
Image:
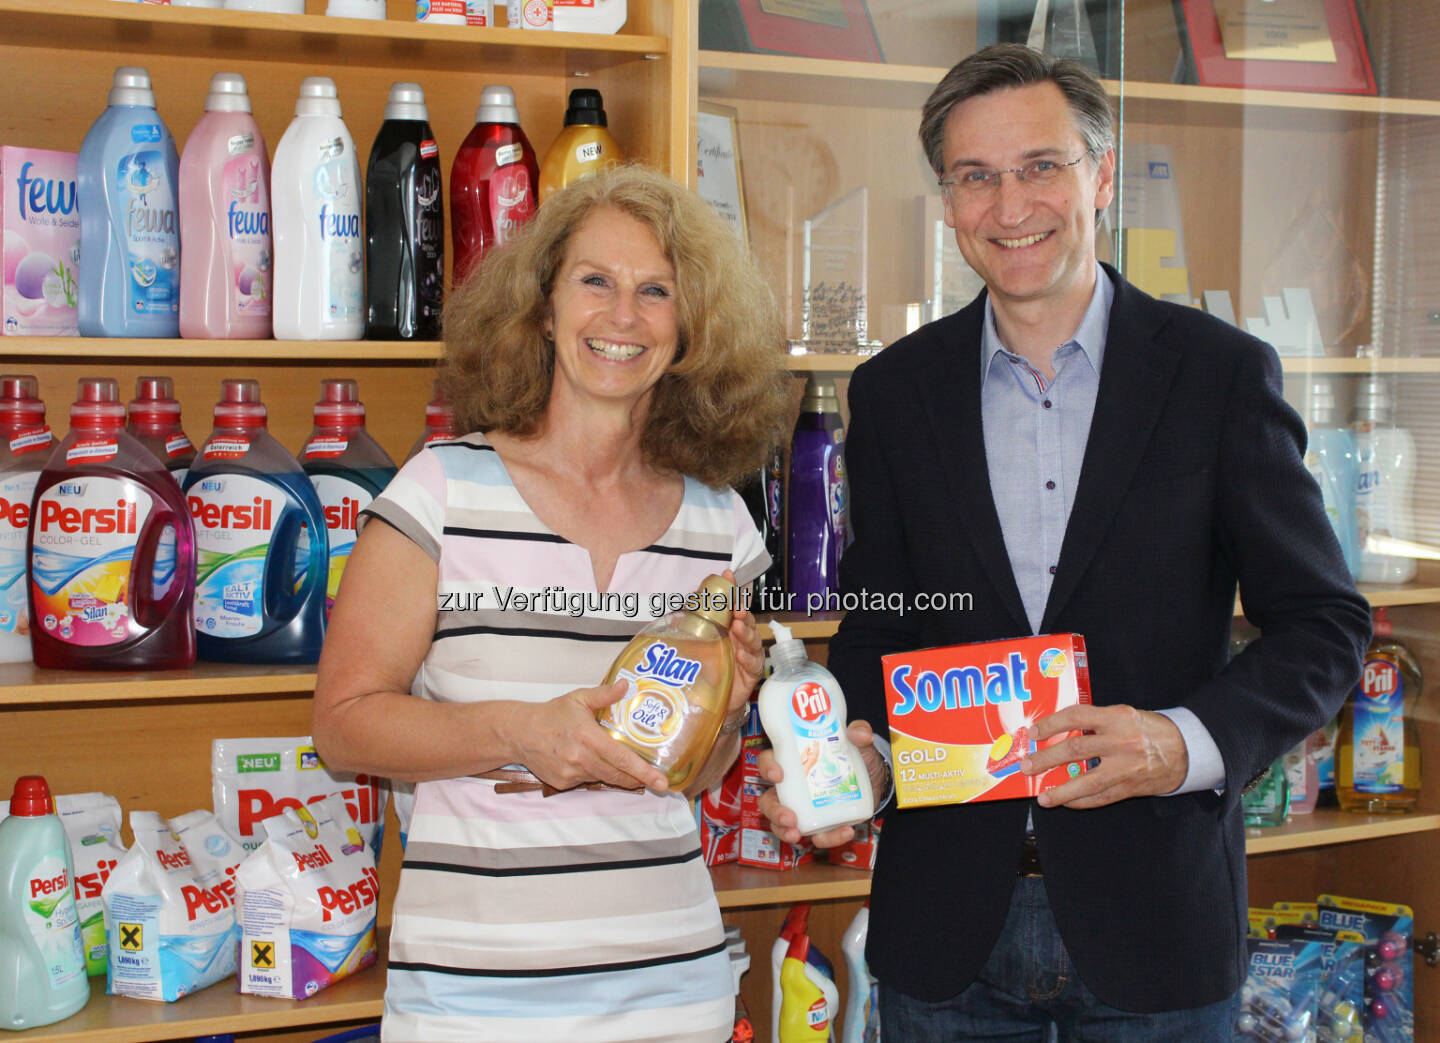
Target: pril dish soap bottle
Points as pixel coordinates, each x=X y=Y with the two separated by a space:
x=678 y=670
x=1377 y=753
x=803 y=712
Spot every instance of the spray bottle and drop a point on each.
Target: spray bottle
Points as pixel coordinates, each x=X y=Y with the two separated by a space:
x=42 y=957
x=25 y=444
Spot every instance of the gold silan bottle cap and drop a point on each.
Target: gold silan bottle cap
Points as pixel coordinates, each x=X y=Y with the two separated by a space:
x=717 y=599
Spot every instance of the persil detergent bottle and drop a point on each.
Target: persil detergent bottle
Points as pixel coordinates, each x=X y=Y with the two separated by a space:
x=260 y=541
x=42 y=959
x=126 y=180
x=225 y=269
x=439 y=422
x=153 y=417
x=803 y=712
x=348 y=469
x=107 y=521
x=25 y=444
x=316 y=195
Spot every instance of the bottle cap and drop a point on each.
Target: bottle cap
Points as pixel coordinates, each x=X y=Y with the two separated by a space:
x=788 y=650
x=20 y=400
x=31 y=797
x=406 y=102
x=497 y=105
x=820 y=396
x=97 y=403
x=339 y=404
x=154 y=401
x=718 y=597
x=1383 y=627
x=1323 y=409
x=586 y=109
x=227 y=93
x=240 y=404
x=131 y=86
x=1373 y=401
x=318 y=97
x=439 y=413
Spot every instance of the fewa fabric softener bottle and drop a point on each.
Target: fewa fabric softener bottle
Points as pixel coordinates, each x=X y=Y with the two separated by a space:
x=803 y=712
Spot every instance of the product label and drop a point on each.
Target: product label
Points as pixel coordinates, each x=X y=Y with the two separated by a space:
x=247 y=229
x=512 y=199
x=1379 y=751
x=239 y=143
x=31 y=440
x=837 y=495
x=538 y=14
x=507 y=154
x=588 y=152
x=341 y=250
x=325 y=446
x=16 y=491
x=175 y=445
x=51 y=919
x=91 y=450
x=342 y=501
x=661 y=676
x=151 y=231
x=231 y=448
x=830 y=778
x=428 y=149
x=40 y=288
x=85 y=534
x=477 y=12
x=235 y=518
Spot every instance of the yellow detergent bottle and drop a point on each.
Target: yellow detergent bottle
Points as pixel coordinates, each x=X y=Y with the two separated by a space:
x=679 y=670
x=1377 y=753
x=584 y=146
x=804 y=1009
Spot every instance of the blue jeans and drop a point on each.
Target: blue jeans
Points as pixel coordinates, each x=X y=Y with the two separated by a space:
x=1028 y=992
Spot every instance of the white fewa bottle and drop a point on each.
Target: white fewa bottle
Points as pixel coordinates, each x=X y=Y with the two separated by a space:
x=803 y=712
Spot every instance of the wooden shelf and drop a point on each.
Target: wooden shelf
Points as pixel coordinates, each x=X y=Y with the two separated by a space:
x=63 y=349
x=737 y=886
x=1325 y=826
x=315 y=40
x=24 y=684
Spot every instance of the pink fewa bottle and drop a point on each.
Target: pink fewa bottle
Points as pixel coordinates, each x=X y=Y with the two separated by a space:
x=226 y=274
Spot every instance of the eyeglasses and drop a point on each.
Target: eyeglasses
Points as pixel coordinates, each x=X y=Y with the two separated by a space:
x=1036 y=172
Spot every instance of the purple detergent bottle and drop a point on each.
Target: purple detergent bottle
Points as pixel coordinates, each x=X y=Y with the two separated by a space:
x=818 y=498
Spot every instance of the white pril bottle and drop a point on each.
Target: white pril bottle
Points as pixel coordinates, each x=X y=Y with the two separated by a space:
x=316 y=195
x=1385 y=480
x=803 y=712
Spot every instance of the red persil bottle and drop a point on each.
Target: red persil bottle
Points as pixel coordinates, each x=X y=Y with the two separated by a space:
x=493 y=182
x=439 y=422
x=107 y=516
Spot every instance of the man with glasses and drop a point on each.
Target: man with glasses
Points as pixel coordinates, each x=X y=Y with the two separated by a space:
x=1079 y=456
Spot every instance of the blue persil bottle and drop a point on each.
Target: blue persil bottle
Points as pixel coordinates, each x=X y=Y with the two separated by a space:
x=260 y=541
x=127 y=181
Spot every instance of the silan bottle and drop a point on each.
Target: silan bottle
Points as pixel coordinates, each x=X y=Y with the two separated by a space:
x=584 y=147
x=404 y=223
x=127 y=181
x=316 y=197
x=439 y=422
x=1385 y=480
x=260 y=538
x=348 y=469
x=816 y=516
x=493 y=181
x=802 y=710
x=25 y=444
x=678 y=671
x=153 y=418
x=42 y=957
x=225 y=269
x=1330 y=458
x=112 y=551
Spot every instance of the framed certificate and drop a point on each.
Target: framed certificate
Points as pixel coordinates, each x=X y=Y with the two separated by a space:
x=1292 y=45
x=807 y=28
x=717 y=164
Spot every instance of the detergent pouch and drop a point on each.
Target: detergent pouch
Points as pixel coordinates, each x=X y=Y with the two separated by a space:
x=307 y=903
x=170 y=935
x=1278 y=999
x=212 y=850
x=1389 y=1014
x=253 y=779
x=1342 y=981
x=960 y=716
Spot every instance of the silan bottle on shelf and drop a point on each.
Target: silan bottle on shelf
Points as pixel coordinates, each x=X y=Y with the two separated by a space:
x=493 y=181
x=25 y=444
x=439 y=422
x=127 y=183
x=1330 y=458
x=225 y=270
x=678 y=671
x=42 y=956
x=315 y=195
x=584 y=147
x=348 y=469
x=260 y=537
x=1385 y=481
x=1377 y=752
x=816 y=517
x=404 y=223
x=153 y=417
x=107 y=519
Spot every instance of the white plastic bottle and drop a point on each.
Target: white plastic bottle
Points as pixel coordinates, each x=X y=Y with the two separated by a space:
x=268 y=6
x=803 y=712
x=1385 y=469
x=372 y=9
x=42 y=959
x=316 y=194
x=862 y=1018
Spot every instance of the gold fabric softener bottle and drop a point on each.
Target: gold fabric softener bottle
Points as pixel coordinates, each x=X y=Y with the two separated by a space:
x=679 y=670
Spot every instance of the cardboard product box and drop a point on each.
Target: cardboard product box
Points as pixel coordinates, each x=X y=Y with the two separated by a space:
x=960 y=716
x=759 y=846
x=718 y=813
x=859 y=853
x=41 y=249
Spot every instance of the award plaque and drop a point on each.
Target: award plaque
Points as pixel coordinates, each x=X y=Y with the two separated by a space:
x=833 y=315
x=950 y=282
x=717 y=164
x=808 y=28
x=1295 y=45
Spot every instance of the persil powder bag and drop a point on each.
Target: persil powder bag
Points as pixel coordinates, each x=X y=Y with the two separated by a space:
x=253 y=779
x=170 y=935
x=307 y=902
x=92 y=825
x=213 y=852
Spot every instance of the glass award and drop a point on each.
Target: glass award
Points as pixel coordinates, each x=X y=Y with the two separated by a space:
x=833 y=316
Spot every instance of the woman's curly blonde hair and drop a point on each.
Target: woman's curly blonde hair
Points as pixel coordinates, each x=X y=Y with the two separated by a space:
x=724 y=401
